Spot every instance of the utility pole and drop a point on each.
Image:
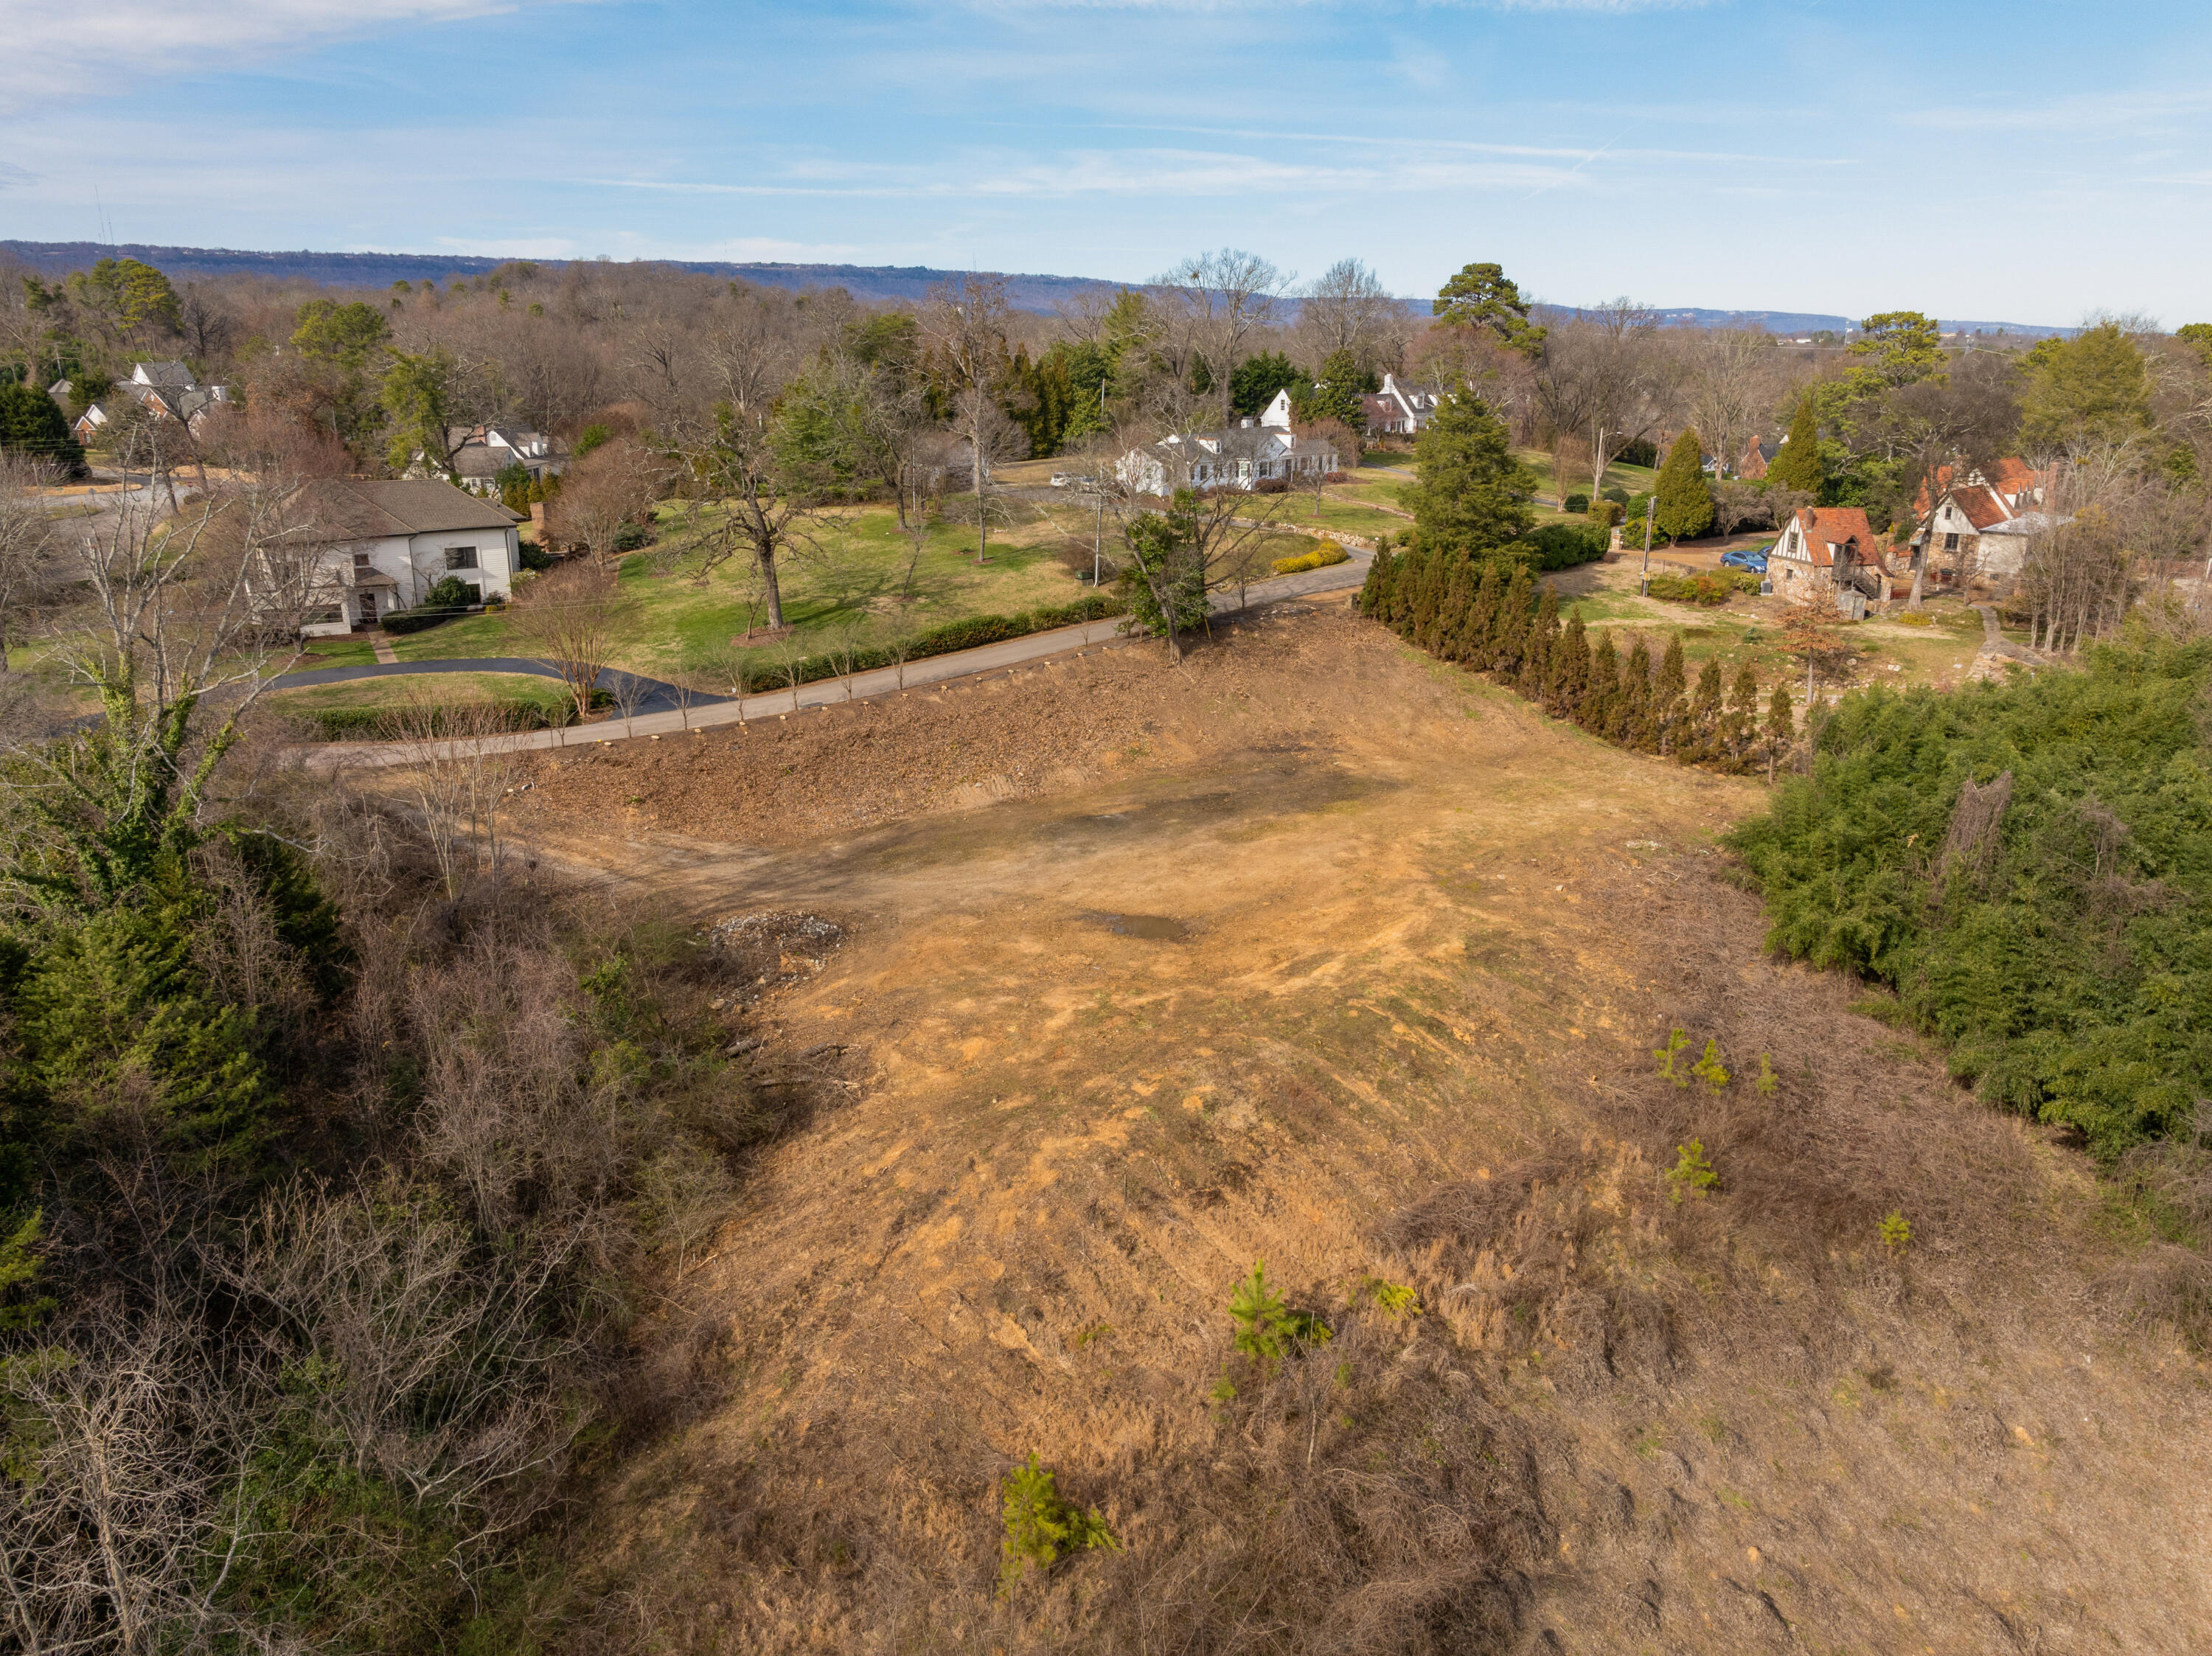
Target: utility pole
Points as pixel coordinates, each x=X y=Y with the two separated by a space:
x=1651 y=505
x=1098 y=533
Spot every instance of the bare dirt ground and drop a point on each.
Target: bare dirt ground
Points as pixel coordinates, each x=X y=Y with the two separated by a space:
x=1314 y=951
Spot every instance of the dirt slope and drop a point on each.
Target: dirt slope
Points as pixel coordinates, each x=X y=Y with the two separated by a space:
x=1316 y=952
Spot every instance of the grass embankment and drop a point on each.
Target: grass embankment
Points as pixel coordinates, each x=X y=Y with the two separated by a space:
x=1890 y=651
x=682 y=622
x=373 y=707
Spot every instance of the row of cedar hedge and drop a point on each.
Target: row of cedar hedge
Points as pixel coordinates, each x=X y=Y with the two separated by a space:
x=966 y=633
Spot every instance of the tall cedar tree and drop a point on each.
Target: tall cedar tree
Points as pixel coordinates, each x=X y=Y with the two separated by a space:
x=1571 y=668
x=1472 y=495
x=1604 y=685
x=1798 y=464
x=1405 y=585
x=1509 y=632
x=1667 y=702
x=1459 y=601
x=1543 y=634
x=1429 y=607
x=1780 y=725
x=1482 y=620
x=1686 y=505
x=1699 y=740
x=1741 y=720
x=1634 y=728
x=1371 y=589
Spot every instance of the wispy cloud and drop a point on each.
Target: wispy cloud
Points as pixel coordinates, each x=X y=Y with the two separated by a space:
x=56 y=52
x=1186 y=7
x=1140 y=173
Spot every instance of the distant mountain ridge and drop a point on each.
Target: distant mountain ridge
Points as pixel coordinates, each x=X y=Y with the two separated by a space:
x=874 y=282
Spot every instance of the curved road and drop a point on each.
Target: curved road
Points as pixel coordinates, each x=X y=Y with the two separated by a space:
x=705 y=710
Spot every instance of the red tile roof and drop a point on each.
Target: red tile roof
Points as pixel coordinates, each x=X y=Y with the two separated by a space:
x=2016 y=476
x=1979 y=507
x=1823 y=526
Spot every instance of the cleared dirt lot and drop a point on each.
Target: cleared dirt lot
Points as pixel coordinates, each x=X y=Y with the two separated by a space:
x=1315 y=952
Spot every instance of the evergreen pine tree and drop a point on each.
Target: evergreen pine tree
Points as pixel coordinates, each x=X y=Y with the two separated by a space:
x=1686 y=505
x=1371 y=589
x=1780 y=725
x=1509 y=632
x=1702 y=732
x=1632 y=726
x=1741 y=722
x=1571 y=669
x=1405 y=585
x=1668 y=714
x=1451 y=624
x=1428 y=598
x=1482 y=619
x=1474 y=493
x=1543 y=636
x=1603 y=685
x=1798 y=464
x=1674 y=674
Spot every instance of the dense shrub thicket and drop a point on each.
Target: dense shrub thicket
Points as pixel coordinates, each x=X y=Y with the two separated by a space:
x=330 y=1183
x=2030 y=865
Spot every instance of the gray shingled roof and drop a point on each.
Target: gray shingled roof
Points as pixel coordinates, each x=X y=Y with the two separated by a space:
x=351 y=509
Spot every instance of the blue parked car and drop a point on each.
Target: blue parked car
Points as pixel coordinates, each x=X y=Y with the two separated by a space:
x=1752 y=558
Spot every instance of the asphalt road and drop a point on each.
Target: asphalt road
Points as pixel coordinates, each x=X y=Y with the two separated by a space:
x=705 y=711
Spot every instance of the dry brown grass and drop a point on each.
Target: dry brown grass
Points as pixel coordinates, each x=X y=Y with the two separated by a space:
x=1432 y=941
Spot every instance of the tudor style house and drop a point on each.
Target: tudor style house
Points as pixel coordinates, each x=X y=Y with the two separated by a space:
x=168 y=391
x=1982 y=530
x=1251 y=452
x=1757 y=455
x=1830 y=554
x=383 y=545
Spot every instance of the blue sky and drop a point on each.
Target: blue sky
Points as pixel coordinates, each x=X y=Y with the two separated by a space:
x=2029 y=162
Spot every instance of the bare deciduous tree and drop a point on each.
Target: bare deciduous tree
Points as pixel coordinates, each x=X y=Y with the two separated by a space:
x=26 y=544
x=966 y=327
x=616 y=483
x=733 y=465
x=1347 y=308
x=567 y=617
x=1218 y=300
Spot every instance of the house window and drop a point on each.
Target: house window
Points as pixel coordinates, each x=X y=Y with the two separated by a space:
x=324 y=616
x=460 y=557
x=1950 y=542
x=361 y=561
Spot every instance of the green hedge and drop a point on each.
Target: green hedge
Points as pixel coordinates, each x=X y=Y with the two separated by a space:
x=417 y=621
x=1708 y=589
x=377 y=724
x=966 y=633
x=1561 y=546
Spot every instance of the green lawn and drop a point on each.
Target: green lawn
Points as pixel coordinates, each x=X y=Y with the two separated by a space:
x=334 y=653
x=681 y=623
x=1634 y=480
x=446 y=689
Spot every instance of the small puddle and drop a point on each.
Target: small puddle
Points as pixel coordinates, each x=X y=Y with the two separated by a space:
x=1159 y=928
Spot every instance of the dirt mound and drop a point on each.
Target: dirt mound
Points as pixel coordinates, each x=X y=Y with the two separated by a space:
x=1392 y=1021
x=1047 y=727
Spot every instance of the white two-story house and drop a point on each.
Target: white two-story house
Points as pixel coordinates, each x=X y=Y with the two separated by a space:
x=384 y=545
x=1248 y=454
